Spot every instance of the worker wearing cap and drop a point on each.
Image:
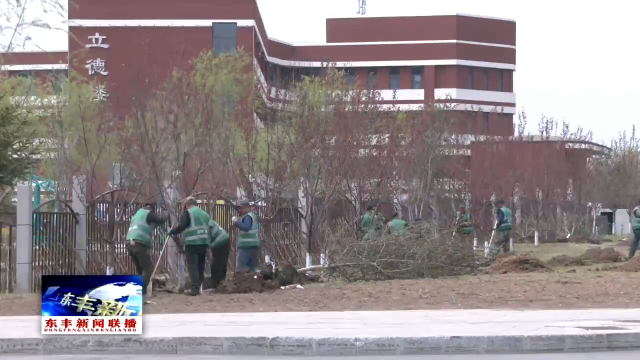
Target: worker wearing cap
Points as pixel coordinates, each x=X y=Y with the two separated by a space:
x=194 y=222
x=635 y=226
x=503 y=227
x=220 y=249
x=139 y=238
x=248 y=238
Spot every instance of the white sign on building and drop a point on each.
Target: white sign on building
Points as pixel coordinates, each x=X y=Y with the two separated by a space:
x=98 y=65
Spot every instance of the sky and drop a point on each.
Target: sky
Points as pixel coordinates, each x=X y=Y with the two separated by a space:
x=572 y=58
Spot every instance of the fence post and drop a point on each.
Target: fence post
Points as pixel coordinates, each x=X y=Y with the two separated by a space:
x=24 y=239
x=79 y=206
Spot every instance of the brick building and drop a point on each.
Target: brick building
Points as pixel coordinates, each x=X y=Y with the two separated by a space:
x=462 y=60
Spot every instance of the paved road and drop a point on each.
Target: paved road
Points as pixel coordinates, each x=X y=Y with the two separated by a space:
x=362 y=324
x=592 y=356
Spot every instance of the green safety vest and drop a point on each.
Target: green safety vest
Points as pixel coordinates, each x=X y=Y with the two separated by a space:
x=219 y=237
x=465 y=218
x=506 y=225
x=250 y=238
x=198 y=231
x=139 y=230
x=635 y=218
x=397 y=226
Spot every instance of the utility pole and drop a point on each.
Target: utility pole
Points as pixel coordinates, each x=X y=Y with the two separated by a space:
x=362 y=7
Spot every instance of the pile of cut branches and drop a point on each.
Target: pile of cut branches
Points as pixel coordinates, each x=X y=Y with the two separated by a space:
x=410 y=255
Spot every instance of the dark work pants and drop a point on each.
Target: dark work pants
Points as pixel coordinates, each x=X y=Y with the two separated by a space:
x=219 y=263
x=503 y=242
x=196 y=256
x=141 y=256
x=247 y=260
x=635 y=243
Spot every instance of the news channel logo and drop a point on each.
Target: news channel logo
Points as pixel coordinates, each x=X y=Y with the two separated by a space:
x=98 y=304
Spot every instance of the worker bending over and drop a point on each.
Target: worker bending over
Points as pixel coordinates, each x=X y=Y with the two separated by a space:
x=220 y=249
x=396 y=225
x=194 y=222
x=139 y=237
x=503 y=227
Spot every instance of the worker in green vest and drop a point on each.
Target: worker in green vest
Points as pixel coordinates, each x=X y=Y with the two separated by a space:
x=248 y=225
x=396 y=225
x=635 y=226
x=194 y=223
x=372 y=223
x=139 y=238
x=464 y=226
x=220 y=249
x=503 y=230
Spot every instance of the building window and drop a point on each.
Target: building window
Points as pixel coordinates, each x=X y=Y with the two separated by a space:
x=285 y=76
x=273 y=74
x=310 y=72
x=501 y=80
x=486 y=79
x=58 y=78
x=416 y=78
x=350 y=76
x=486 y=123
x=225 y=38
x=470 y=78
x=371 y=79
x=394 y=78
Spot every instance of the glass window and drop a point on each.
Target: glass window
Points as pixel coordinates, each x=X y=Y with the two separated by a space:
x=394 y=78
x=470 y=78
x=486 y=79
x=310 y=72
x=501 y=80
x=225 y=30
x=486 y=123
x=350 y=75
x=416 y=78
x=285 y=75
x=225 y=38
x=57 y=80
x=371 y=79
x=273 y=74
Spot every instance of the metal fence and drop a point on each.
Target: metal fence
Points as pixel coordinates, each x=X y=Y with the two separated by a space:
x=7 y=257
x=106 y=222
x=281 y=237
x=54 y=243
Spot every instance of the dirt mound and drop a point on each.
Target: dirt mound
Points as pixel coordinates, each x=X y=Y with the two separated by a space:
x=518 y=264
x=565 y=260
x=600 y=256
x=245 y=283
x=633 y=265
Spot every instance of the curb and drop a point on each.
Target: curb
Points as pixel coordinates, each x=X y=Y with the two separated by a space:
x=278 y=346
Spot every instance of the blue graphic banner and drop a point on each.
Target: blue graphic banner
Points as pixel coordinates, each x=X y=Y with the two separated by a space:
x=91 y=295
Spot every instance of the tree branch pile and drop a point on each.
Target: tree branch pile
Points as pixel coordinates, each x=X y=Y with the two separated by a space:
x=410 y=255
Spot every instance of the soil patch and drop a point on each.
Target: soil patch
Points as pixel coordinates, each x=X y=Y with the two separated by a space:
x=625 y=242
x=518 y=264
x=565 y=260
x=245 y=283
x=548 y=290
x=633 y=265
x=602 y=255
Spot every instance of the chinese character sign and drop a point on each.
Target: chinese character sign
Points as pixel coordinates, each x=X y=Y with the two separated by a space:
x=97 y=304
x=97 y=66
